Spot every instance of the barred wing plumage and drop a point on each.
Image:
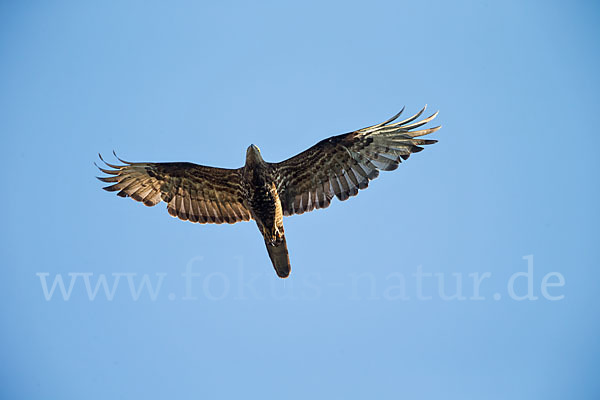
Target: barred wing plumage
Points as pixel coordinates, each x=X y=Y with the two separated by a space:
x=342 y=165
x=192 y=192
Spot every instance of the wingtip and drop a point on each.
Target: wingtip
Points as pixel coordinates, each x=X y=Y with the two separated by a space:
x=392 y=119
x=110 y=165
x=120 y=159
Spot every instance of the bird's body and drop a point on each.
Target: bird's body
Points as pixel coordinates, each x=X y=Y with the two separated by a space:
x=262 y=199
x=266 y=192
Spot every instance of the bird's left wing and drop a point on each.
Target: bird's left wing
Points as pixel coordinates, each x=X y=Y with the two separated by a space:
x=192 y=192
x=341 y=165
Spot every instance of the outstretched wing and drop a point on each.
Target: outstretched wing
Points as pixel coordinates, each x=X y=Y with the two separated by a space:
x=192 y=192
x=344 y=164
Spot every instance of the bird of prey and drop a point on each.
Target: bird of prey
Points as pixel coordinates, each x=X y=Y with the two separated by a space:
x=266 y=192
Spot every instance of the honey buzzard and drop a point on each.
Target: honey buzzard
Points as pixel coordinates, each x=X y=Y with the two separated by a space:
x=338 y=166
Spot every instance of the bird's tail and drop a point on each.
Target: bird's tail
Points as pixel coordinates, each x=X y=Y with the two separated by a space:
x=278 y=253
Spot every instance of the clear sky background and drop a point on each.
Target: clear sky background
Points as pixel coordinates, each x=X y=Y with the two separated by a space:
x=515 y=174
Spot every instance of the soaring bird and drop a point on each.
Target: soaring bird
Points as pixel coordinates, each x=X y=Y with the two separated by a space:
x=266 y=192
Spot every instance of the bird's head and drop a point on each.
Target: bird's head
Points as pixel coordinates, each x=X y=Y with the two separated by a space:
x=253 y=155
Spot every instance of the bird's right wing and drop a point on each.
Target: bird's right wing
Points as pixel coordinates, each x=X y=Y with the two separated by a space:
x=192 y=192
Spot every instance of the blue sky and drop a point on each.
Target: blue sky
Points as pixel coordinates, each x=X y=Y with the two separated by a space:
x=511 y=187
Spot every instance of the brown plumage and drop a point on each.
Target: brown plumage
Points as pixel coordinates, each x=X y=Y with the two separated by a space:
x=338 y=166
